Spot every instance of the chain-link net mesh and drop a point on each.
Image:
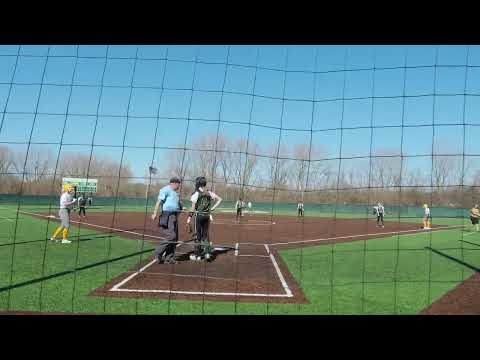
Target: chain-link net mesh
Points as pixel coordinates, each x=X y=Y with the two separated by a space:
x=339 y=129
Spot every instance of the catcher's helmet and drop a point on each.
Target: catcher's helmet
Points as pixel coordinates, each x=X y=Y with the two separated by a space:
x=200 y=182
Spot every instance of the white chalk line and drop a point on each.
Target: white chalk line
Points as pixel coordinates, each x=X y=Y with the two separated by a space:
x=7 y=219
x=98 y=226
x=241 y=223
x=364 y=235
x=229 y=211
x=195 y=276
x=288 y=292
x=127 y=279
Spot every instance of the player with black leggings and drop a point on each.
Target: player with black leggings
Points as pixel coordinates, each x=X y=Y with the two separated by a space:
x=203 y=203
x=82 y=204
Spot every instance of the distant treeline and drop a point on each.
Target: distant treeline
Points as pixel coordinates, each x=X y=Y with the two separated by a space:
x=243 y=168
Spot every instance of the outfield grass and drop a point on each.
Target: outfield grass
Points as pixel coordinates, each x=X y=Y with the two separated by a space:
x=278 y=211
x=393 y=275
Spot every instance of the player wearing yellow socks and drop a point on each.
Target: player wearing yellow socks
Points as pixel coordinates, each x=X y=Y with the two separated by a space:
x=66 y=203
x=427 y=218
x=474 y=217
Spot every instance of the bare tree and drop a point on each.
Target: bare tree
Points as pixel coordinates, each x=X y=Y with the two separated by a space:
x=38 y=165
x=277 y=172
x=446 y=170
x=178 y=163
x=6 y=160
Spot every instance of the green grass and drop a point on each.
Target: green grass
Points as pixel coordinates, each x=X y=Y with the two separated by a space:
x=392 y=275
x=277 y=211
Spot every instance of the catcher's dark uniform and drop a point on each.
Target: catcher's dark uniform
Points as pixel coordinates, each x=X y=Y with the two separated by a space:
x=203 y=206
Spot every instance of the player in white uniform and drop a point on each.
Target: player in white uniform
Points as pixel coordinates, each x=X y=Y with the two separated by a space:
x=239 y=205
x=379 y=210
x=300 y=209
x=66 y=204
x=427 y=218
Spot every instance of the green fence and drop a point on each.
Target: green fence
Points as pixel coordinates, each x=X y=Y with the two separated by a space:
x=262 y=207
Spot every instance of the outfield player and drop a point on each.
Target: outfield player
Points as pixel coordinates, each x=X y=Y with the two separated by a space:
x=66 y=203
x=474 y=217
x=427 y=218
x=380 y=212
x=239 y=205
x=300 y=209
x=203 y=203
x=170 y=206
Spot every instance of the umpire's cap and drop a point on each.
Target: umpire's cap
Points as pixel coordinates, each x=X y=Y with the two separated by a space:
x=175 y=180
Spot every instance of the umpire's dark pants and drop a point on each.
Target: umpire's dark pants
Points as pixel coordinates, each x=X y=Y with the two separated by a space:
x=167 y=247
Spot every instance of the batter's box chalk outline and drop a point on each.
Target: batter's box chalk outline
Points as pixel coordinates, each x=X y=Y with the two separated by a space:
x=287 y=292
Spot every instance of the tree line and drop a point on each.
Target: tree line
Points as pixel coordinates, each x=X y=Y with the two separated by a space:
x=240 y=167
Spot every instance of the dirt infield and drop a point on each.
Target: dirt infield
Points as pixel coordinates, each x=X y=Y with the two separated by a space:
x=463 y=300
x=249 y=267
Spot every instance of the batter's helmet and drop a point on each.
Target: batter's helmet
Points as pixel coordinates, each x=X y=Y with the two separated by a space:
x=68 y=187
x=425 y=205
x=200 y=181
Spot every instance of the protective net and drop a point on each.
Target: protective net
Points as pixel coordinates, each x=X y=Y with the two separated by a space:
x=348 y=178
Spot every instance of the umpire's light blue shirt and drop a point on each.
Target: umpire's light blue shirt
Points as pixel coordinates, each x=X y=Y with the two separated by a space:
x=170 y=199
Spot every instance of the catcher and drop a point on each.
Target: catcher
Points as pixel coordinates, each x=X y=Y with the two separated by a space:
x=66 y=203
x=204 y=202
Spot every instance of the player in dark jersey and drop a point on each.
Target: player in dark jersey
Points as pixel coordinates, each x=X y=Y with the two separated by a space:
x=82 y=204
x=203 y=203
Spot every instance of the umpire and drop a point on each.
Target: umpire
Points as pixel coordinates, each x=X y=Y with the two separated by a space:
x=170 y=206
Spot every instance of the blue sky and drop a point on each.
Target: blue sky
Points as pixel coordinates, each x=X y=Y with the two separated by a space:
x=305 y=83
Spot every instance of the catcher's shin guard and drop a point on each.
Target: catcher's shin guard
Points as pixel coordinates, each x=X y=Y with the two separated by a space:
x=65 y=234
